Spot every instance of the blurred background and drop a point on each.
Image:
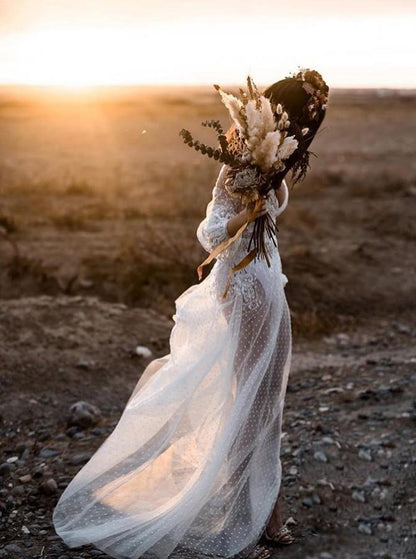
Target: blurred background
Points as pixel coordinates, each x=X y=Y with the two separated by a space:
x=99 y=205
x=94 y=175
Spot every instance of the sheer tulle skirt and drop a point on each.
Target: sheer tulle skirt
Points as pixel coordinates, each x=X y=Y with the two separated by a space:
x=193 y=468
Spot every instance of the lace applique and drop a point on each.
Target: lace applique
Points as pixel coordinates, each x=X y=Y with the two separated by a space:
x=245 y=283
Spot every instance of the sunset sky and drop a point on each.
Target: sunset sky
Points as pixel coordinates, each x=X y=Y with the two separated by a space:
x=364 y=43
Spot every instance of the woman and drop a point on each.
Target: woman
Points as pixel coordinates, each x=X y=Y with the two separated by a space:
x=193 y=468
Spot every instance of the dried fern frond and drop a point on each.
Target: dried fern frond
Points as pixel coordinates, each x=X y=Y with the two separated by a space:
x=221 y=154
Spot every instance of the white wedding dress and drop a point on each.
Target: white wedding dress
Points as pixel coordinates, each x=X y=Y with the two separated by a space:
x=192 y=469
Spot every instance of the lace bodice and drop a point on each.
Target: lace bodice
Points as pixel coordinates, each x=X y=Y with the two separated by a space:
x=213 y=229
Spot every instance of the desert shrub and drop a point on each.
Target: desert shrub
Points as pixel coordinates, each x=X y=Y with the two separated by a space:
x=68 y=221
x=79 y=188
x=151 y=269
x=8 y=224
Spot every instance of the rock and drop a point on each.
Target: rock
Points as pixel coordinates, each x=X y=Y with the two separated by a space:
x=48 y=452
x=320 y=456
x=5 y=469
x=84 y=415
x=49 y=486
x=43 y=434
x=98 y=431
x=316 y=499
x=359 y=496
x=402 y=328
x=20 y=448
x=84 y=364
x=365 y=454
x=365 y=528
x=307 y=502
x=79 y=435
x=12 y=459
x=70 y=432
x=143 y=351
x=18 y=491
x=25 y=479
x=37 y=473
x=77 y=459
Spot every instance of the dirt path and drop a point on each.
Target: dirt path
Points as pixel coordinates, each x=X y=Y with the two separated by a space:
x=348 y=448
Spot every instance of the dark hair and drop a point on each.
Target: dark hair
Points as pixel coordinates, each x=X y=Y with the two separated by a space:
x=296 y=101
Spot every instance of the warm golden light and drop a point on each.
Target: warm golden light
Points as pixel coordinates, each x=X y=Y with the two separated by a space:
x=350 y=51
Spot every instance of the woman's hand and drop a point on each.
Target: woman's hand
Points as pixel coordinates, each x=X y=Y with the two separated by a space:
x=258 y=208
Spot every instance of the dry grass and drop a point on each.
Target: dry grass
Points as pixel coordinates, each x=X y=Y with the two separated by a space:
x=87 y=194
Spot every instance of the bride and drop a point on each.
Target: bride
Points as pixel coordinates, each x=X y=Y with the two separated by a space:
x=192 y=468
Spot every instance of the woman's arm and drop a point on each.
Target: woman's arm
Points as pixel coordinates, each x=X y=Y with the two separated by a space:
x=280 y=194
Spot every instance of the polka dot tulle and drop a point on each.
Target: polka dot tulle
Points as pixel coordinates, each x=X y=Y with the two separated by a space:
x=192 y=468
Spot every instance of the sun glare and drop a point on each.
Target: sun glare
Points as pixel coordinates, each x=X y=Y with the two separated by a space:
x=355 y=52
x=73 y=59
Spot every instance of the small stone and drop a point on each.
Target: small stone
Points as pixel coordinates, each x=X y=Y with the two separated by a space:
x=143 y=351
x=98 y=431
x=43 y=434
x=25 y=530
x=12 y=459
x=84 y=415
x=48 y=452
x=307 y=502
x=70 y=432
x=293 y=470
x=49 y=486
x=5 y=469
x=365 y=454
x=359 y=496
x=79 y=435
x=25 y=479
x=37 y=473
x=316 y=499
x=77 y=459
x=365 y=528
x=320 y=456
x=84 y=364
x=20 y=448
x=18 y=490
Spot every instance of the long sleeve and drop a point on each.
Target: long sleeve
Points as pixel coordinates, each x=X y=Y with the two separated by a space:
x=213 y=229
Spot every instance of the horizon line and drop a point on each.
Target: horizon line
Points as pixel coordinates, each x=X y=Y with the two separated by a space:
x=84 y=88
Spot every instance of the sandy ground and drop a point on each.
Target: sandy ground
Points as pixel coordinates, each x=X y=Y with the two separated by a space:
x=348 y=449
